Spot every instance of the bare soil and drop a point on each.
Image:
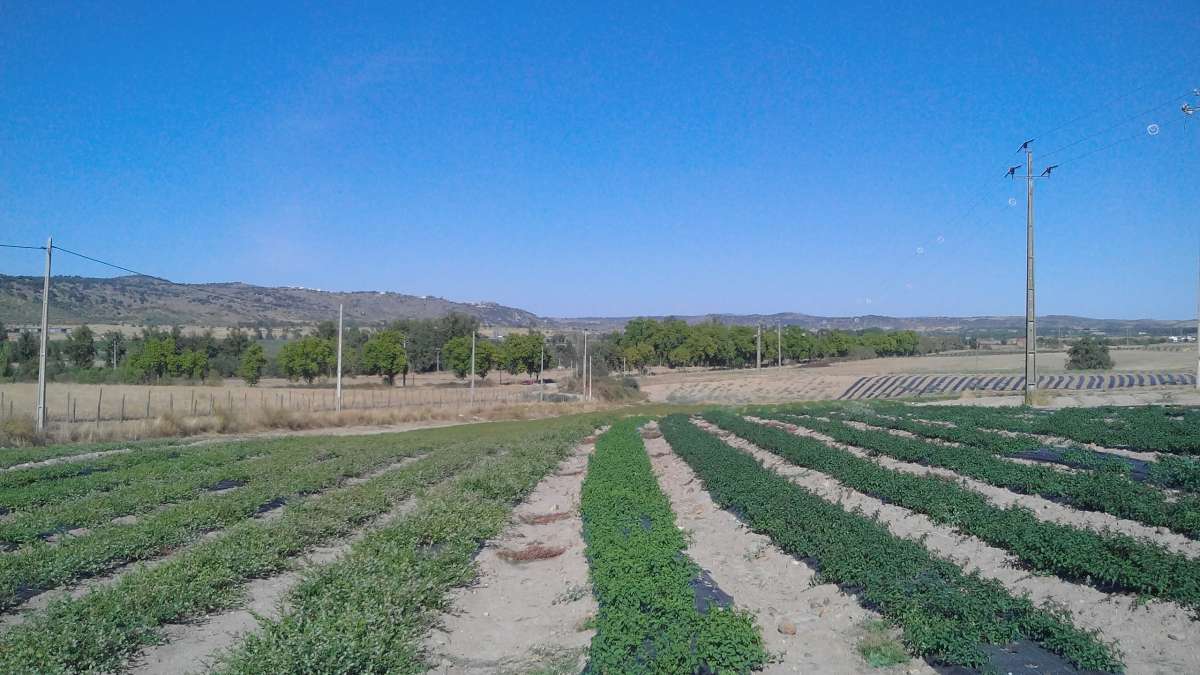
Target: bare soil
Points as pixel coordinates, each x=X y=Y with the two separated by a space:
x=810 y=629
x=530 y=606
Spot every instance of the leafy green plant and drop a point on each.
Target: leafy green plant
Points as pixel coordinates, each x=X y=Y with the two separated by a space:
x=647 y=620
x=1109 y=561
x=944 y=613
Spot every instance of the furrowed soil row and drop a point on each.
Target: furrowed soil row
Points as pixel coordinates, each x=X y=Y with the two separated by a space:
x=368 y=611
x=529 y=607
x=811 y=627
x=1043 y=509
x=1141 y=631
x=101 y=630
x=948 y=616
x=1104 y=492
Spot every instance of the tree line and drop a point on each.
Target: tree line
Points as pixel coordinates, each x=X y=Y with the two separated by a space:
x=409 y=346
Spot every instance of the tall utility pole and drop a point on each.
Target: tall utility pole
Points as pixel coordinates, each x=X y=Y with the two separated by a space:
x=758 y=350
x=472 y=366
x=541 y=367
x=41 y=396
x=779 y=342
x=584 y=373
x=339 y=366
x=1030 y=313
x=1190 y=111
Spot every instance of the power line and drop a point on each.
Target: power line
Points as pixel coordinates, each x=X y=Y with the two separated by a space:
x=31 y=248
x=1109 y=128
x=198 y=287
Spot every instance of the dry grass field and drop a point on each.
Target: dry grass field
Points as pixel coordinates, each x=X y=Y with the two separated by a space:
x=792 y=383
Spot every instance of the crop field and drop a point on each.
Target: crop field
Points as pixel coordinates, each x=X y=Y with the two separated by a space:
x=839 y=537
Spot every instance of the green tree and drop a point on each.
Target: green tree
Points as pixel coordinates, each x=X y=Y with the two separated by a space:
x=235 y=342
x=27 y=348
x=112 y=348
x=155 y=358
x=81 y=347
x=253 y=362
x=523 y=353
x=307 y=358
x=190 y=363
x=383 y=354
x=1089 y=354
x=456 y=354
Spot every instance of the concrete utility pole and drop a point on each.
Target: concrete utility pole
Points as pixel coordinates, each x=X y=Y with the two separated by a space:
x=779 y=342
x=339 y=366
x=472 y=366
x=1190 y=111
x=541 y=367
x=41 y=396
x=758 y=350
x=1030 y=313
x=584 y=374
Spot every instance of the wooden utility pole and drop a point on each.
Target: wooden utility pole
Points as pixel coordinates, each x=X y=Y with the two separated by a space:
x=1030 y=311
x=338 y=402
x=472 y=367
x=41 y=395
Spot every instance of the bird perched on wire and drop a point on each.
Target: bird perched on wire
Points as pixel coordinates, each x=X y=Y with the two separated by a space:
x=1048 y=170
x=1012 y=171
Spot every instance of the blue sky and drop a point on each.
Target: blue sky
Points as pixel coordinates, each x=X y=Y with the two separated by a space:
x=613 y=159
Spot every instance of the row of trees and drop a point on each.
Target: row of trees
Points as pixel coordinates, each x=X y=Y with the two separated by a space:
x=415 y=346
x=675 y=343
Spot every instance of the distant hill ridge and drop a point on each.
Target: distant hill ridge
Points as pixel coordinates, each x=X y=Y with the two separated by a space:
x=148 y=301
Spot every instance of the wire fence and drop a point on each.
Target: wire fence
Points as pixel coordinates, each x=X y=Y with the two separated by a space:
x=81 y=404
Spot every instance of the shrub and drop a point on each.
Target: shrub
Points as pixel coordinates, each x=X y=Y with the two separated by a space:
x=1089 y=354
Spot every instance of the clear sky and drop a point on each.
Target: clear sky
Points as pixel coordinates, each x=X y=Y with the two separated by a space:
x=616 y=159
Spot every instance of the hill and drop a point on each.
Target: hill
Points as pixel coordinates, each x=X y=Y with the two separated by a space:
x=149 y=301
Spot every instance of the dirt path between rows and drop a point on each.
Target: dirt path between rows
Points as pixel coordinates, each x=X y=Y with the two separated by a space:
x=811 y=629
x=526 y=615
x=83 y=457
x=1155 y=637
x=1042 y=508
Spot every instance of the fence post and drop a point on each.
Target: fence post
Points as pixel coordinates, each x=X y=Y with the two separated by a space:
x=148 y=403
x=98 y=400
x=122 y=407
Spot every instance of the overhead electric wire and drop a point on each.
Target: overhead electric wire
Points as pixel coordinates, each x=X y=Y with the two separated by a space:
x=1123 y=121
x=198 y=287
x=32 y=248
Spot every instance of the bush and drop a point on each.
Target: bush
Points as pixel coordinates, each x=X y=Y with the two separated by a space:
x=1089 y=354
x=17 y=432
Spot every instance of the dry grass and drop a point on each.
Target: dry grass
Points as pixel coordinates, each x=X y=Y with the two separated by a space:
x=530 y=553
x=18 y=431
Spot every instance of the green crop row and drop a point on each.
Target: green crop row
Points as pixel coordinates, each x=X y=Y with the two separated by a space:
x=1150 y=428
x=1106 y=492
x=648 y=621
x=99 y=631
x=946 y=615
x=1180 y=473
x=13 y=456
x=57 y=484
x=367 y=612
x=40 y=566
x=1111 y=562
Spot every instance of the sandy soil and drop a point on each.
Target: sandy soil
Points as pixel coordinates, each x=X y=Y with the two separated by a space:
x=795 y=383
x=811 y=629
x=1156 y=637
x=525 y=616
